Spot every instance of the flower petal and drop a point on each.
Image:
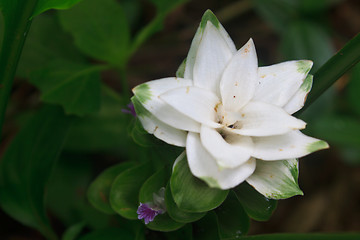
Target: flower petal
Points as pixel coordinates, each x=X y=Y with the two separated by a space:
x=237 y=85
x=291 y=145
x=297 y=101
x=161 y=130
x=263 y=119
x=212 y=57
x=190 y=60
x=279 y=82
x=148 y=95
x=196 y=103
x=276 y=179
x=229 y=153
x=204 y=166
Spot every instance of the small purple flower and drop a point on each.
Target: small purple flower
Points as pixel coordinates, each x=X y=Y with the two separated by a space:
x=147 y=213
x=129 y=110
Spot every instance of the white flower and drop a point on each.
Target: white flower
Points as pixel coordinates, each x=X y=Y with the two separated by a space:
x=233 y=117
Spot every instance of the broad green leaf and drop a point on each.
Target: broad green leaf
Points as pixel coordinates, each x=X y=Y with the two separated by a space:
x=66 y=193
x=233 y=222
x=103 y=130
x=176 y=213
x=276 y=179
x=99 y=190
x=206 y=228
x=46 y=42
x=100 y=30
x=257 y=206
x=190 y=193
x=278 y=13
x=26 y=166
x=44 y=5
x=181 y=234
x=162 y=222
x=124 y=194
x=307 y=40
x=75 y=87
x=109 y=234
x=345 y=131
x=304 y=236
x=353 y=90
x=73 y=232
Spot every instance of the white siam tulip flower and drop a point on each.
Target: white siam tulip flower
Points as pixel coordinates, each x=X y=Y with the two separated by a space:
x=233 y=117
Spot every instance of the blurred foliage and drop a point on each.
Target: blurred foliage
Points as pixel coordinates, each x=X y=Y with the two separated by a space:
x=66 y=56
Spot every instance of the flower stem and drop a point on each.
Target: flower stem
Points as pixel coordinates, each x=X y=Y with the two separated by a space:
x=333 y=69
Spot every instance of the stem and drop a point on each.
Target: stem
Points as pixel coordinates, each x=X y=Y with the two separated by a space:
x=17 y=23
x=333 y=69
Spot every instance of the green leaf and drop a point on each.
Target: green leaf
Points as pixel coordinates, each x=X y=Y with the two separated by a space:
x=257 y=206
x=124 y=194
x=181 y=234
x=276 y=179
x=162 y=222
x=233 y=222
x=44 y=5
x=26 y=167
x=75 y=87
x=206 y=228
x=176 y=213
x=100 y=30
x=190 y=193
x=109 y=234
x=73 y=232
x=165 y=6
x=353 y=90
x=307 y=40
x=46 y=42
x=99 y=190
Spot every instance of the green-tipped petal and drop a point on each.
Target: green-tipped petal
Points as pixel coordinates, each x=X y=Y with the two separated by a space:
x=316 y=146
x=304 y=66
x=298 y=100
x=276 y=179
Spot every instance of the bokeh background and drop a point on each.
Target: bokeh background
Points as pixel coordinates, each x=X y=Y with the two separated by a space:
x=282 y=30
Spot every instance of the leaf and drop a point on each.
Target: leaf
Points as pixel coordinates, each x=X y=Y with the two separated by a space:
x=176 y=213
x=257 y=206
x=206 y=228
x=99 y=190
x=26 y=166
x=303 y=236
x=109 y=234
x=302 y=41
x=233 y=222
x=353 y=89
x=124 y=194
x=190 y=193
x=44 y=5
x=75 y=87
x=165 y=6
x=276 y=179
x=162 y=222
x=100 y=30
x=46 y=42
x=73 y=232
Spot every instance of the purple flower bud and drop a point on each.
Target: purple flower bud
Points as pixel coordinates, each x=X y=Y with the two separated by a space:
x=129 y=110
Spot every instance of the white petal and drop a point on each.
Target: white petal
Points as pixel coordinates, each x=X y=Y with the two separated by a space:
x=190 y=60
x=161 y=130
x=278 y=83
x=196 y=103
x=276 y=179
x=263 y=119
x=297 y=101
x=212 y=57
x=148 y=94
x=291 y=145
x=231 y=153
x=237 y=85
x=204 y=166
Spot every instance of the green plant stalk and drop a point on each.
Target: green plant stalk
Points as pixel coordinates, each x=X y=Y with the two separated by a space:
x=304 y=236
x=333 y=69
x=17 y=24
